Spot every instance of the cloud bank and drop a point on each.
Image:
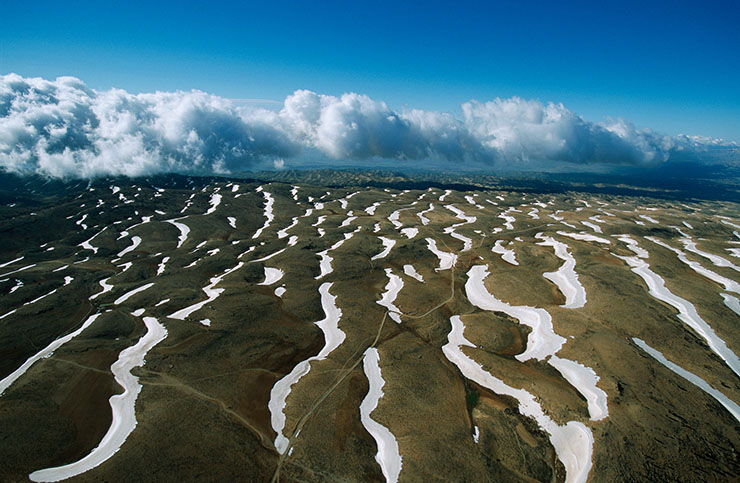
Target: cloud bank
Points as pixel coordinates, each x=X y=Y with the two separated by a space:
x=62 y=128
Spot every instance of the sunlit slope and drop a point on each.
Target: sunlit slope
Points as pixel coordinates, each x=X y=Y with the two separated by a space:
x=293 y=332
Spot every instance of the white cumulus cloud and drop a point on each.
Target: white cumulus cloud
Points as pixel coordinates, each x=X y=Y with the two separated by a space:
x=520 y=129
x=62 y=128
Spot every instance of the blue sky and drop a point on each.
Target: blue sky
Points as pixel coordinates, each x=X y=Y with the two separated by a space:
x=672 y=67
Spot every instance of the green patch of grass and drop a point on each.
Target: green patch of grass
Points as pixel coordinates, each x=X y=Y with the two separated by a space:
x=471 y=398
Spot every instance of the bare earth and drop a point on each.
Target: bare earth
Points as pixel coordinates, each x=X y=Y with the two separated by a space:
x=203 y=409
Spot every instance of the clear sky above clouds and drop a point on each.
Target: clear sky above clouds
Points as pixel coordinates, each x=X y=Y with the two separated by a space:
x=670 y=66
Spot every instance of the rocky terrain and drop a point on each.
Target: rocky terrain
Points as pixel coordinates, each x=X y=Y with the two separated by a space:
x=231 y=329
